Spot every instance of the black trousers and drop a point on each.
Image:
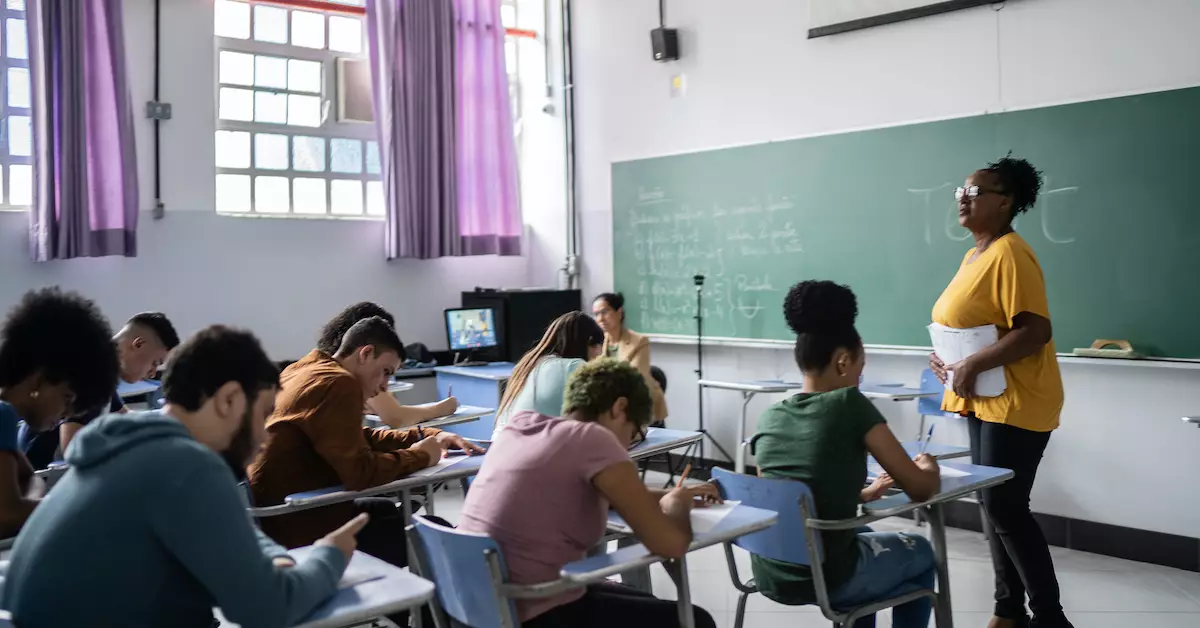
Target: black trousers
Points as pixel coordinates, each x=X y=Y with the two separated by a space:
x=1020 y=555
x=609 y=605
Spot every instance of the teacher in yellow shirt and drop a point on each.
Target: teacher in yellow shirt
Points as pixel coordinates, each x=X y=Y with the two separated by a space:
x=1000 y=283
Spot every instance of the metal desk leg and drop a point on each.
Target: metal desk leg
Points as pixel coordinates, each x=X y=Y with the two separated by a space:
x=677 y=569
x=637 y=578
x=429 y=490
x=740 y=463
x=937 y=536
x=406 y=508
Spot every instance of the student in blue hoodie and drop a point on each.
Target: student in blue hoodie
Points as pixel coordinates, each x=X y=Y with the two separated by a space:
x=149 y=528
x=56 y=359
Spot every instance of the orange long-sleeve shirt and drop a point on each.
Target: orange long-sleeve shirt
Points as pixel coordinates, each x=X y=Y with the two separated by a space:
x=315 y=439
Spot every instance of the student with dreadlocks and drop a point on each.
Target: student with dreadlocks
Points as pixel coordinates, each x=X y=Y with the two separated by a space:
x=1000 y=283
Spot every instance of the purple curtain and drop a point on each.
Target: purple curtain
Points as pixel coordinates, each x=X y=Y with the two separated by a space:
x=85 y=201
x=489 y=209
x=445 y=129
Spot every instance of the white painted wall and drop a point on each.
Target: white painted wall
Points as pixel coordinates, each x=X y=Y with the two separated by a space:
x=283 y=278
x=1122 y=456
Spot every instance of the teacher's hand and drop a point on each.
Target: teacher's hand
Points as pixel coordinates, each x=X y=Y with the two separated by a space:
x=938 y=367
x=965 y=374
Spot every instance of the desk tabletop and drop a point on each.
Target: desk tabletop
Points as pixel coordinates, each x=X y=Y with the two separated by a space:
x=395 y=591
x=1192 y=419
x=660 y=440
x=740 y=521
x=939 y=452
x=977 y=477
x=464 y=414
x=397 y=386
x=144 y=387
x=893 y=392
x=496 y=371
x=753 y=386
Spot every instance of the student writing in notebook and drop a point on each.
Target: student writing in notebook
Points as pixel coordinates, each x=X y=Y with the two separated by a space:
x=822 y=437
x=544 y=491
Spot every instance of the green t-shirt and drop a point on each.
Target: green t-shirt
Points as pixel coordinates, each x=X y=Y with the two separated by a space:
x=819 y=439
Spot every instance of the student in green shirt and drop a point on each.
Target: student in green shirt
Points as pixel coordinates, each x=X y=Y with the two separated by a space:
x=822 y=437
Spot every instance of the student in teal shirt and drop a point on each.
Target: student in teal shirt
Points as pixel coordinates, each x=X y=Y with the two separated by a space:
x=539 y=380
x=149 y=528
x=822 y=437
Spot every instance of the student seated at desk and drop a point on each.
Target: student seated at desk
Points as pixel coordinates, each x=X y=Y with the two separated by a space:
x=148 y=527
x=821 y=437
x=539 y=379
x=390 y=411
x=142 y=345
x=315 y=440
x=544 y=491
x=56 y=359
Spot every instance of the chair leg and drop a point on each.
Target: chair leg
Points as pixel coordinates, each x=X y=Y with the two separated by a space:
x=740 y=617
x=921 y=430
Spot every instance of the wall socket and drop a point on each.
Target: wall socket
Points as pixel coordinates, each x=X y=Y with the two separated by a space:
x=678 y=86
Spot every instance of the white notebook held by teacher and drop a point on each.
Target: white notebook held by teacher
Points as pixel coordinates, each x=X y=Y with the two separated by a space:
x=955 y=345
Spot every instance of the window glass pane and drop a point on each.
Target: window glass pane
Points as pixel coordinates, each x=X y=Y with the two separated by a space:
x=233 y=149
x=347 y=197
x=271 y=195
x=236 y=104
x=232 y=19
x=270 y=24
x=18 y=45
x=310 y=195
x=270 y=72
x=304 y=110
x=345 y=156
x=20 y=184
x=16 y=5
x=373 y=157
x=304 y=76
x=237 y=68
x=20 y=136
x=508 y=15
x=308 y=29
x=510 y=55
x=270 y=107
x=233 y=192
x=270 y=151
x=18 y=87
x=375 y=198
x=345 y=34
x=308 y=153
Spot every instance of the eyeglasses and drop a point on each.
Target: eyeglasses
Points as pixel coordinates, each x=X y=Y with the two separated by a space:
x=972 y=192
x=639 y=437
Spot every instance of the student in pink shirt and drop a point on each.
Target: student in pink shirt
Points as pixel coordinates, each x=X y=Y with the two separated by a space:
x=544 y=491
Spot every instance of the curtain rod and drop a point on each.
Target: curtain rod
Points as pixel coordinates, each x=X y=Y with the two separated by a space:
x=337 y=7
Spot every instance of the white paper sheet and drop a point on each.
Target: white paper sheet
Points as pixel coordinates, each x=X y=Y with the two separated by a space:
x=705 y=519
x=955 y=345
x=446 y=461
x=874 y=470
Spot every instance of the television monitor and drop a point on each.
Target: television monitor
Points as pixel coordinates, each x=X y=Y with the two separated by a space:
x=471 y=329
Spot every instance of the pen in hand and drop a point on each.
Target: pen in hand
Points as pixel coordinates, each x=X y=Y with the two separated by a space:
x=928 y=437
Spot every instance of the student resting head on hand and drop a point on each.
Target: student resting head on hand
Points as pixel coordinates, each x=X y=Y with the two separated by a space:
x=545 y=487
x=148 y=528
x=57 y=360
x=821 y=437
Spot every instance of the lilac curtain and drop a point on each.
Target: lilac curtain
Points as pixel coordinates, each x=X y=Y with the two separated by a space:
x=489 y=207
x=445 y=129
x=85 y=201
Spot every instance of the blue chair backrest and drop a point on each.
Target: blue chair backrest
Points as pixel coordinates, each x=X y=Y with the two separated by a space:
x=930 y=406
x=783 y=541
x=457 y=564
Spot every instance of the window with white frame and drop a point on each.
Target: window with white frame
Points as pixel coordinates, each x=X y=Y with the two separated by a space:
x=282 y=148
x=16 y=128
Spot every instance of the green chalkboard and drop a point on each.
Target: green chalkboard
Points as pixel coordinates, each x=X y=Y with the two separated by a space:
x=1117 y=228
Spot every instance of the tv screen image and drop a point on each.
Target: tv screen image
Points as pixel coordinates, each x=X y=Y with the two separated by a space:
x=471 y=329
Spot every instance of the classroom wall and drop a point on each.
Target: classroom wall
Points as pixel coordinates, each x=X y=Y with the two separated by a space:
x=1122 y=456
x=283 y=278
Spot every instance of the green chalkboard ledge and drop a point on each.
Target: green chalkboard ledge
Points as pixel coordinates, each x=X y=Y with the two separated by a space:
x=897 y=350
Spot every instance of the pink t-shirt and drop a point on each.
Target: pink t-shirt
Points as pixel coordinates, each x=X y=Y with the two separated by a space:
x=534 y=497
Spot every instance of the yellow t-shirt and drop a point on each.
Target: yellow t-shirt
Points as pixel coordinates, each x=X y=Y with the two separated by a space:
x=1003 y=282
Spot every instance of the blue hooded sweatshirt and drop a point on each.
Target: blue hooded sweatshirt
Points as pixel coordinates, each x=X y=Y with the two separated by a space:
x=149 y=529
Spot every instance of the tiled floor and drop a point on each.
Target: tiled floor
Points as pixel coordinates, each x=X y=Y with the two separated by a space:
x=1097 y=591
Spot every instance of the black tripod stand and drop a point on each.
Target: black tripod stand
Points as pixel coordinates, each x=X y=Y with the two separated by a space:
x=699 y=281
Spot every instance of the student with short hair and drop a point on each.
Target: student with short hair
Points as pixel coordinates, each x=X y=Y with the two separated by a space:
x=544 y=491
x=148 y=527
x=315 y=439
x=540 y=377
x=822 y=437
x=56 y=359
x=389 y=410
x=142 y=345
